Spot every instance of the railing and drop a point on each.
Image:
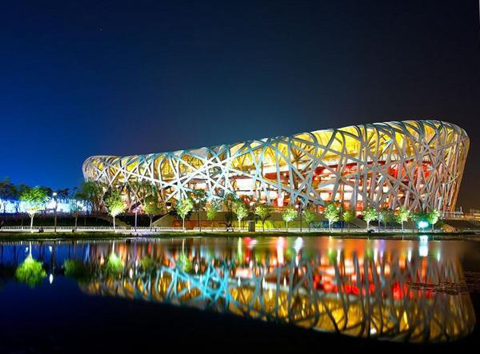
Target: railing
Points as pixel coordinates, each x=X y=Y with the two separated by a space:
x=148 y=230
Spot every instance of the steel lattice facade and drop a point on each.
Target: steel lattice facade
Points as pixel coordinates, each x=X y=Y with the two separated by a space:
x=416 y=164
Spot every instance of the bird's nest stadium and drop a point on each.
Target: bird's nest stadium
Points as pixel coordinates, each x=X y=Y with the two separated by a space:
x=416 y=163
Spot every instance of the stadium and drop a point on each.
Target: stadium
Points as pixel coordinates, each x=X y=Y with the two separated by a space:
x=417 y=164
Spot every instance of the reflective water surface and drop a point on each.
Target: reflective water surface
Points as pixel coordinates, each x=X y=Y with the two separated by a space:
x=402 y=291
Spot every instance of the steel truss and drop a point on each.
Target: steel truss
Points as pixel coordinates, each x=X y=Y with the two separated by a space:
x=416 y=164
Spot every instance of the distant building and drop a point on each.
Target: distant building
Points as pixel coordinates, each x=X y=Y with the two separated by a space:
x=416 y=164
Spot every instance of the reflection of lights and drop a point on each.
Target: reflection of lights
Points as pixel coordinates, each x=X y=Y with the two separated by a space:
x=50 y=248
x=252 y=244
x=409 y=255
x=50 y=278
x=298 y=244
x=423 y=250
x=280 y=245
x=373 y=331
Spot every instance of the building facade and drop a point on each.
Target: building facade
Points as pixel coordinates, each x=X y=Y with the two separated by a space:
x=417 y=164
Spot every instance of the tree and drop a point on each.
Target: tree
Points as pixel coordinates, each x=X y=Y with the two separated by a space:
x=348 y=215
x=241 y=211
x=115 y=204
x=386 y=216
x=331 y=213
x=183 y=207
x=229 y=203
x=421 y=219
x=432 y=217
x=7 y=192
x=76 y=201
x=212 y=209
x=35 y=199
x=288 y=214
x=199 y=201
x=403 y=215
x=151 y=207
x=370 y=214
x=309 y=215
x=93 y=192
x=263 y=212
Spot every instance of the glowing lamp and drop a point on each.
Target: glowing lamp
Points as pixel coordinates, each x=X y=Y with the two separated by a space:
x=422 y=224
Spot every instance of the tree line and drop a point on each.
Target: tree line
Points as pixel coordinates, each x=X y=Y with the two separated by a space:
x=144 y=198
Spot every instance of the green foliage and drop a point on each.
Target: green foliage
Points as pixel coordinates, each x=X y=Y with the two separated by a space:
x=433 y=216
x=212 y=210
x=114 y=202
x=114 y=265
x=348 y=215
x=263 y=212
x=419 y=216
x=147 y=264
x=240 y=209
x=403 y=215
x=370 y=214
x=288 y=214
x=184 y=263
x=199 y=200
x=386 y=216
x=151 y=205
x=8 y=191
x=91 y=192
x=35 y=198
x=30 y=272
x=183 y=207
x=76 y=270
x=331 y=213
x=309 y=216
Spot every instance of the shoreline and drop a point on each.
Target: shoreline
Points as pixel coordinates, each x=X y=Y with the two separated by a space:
x=61 y=236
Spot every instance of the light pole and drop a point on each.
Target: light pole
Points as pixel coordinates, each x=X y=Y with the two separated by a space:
x=298 y=206
x=252 y=211
x=136 y=216
x=54 y=194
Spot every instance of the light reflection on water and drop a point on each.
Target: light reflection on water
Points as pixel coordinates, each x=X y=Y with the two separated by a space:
x=396 y=290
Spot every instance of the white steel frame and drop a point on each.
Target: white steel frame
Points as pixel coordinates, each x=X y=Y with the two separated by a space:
x=355 y=165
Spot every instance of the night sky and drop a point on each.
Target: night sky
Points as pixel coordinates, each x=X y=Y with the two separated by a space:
x=132 y=77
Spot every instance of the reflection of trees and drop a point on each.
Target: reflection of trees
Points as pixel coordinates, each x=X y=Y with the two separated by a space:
x=394 y=294
x=114 y=265
x=77 y=270
x=30 y=272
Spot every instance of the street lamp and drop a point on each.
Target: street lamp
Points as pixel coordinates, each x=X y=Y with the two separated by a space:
x=54 y=194
x=298 y=206
x=136 y=217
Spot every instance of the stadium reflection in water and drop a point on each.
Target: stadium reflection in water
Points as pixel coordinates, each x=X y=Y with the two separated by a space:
x=396 y=290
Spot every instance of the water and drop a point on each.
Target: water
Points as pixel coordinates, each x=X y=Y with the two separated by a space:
x=237 y=293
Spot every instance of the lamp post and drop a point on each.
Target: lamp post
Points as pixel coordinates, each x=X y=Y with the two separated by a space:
x=298 y=206
x=54 y=194
x=252 y=211
x=136 y=216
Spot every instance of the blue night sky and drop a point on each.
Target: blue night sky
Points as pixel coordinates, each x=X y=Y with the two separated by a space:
x=80 y=78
